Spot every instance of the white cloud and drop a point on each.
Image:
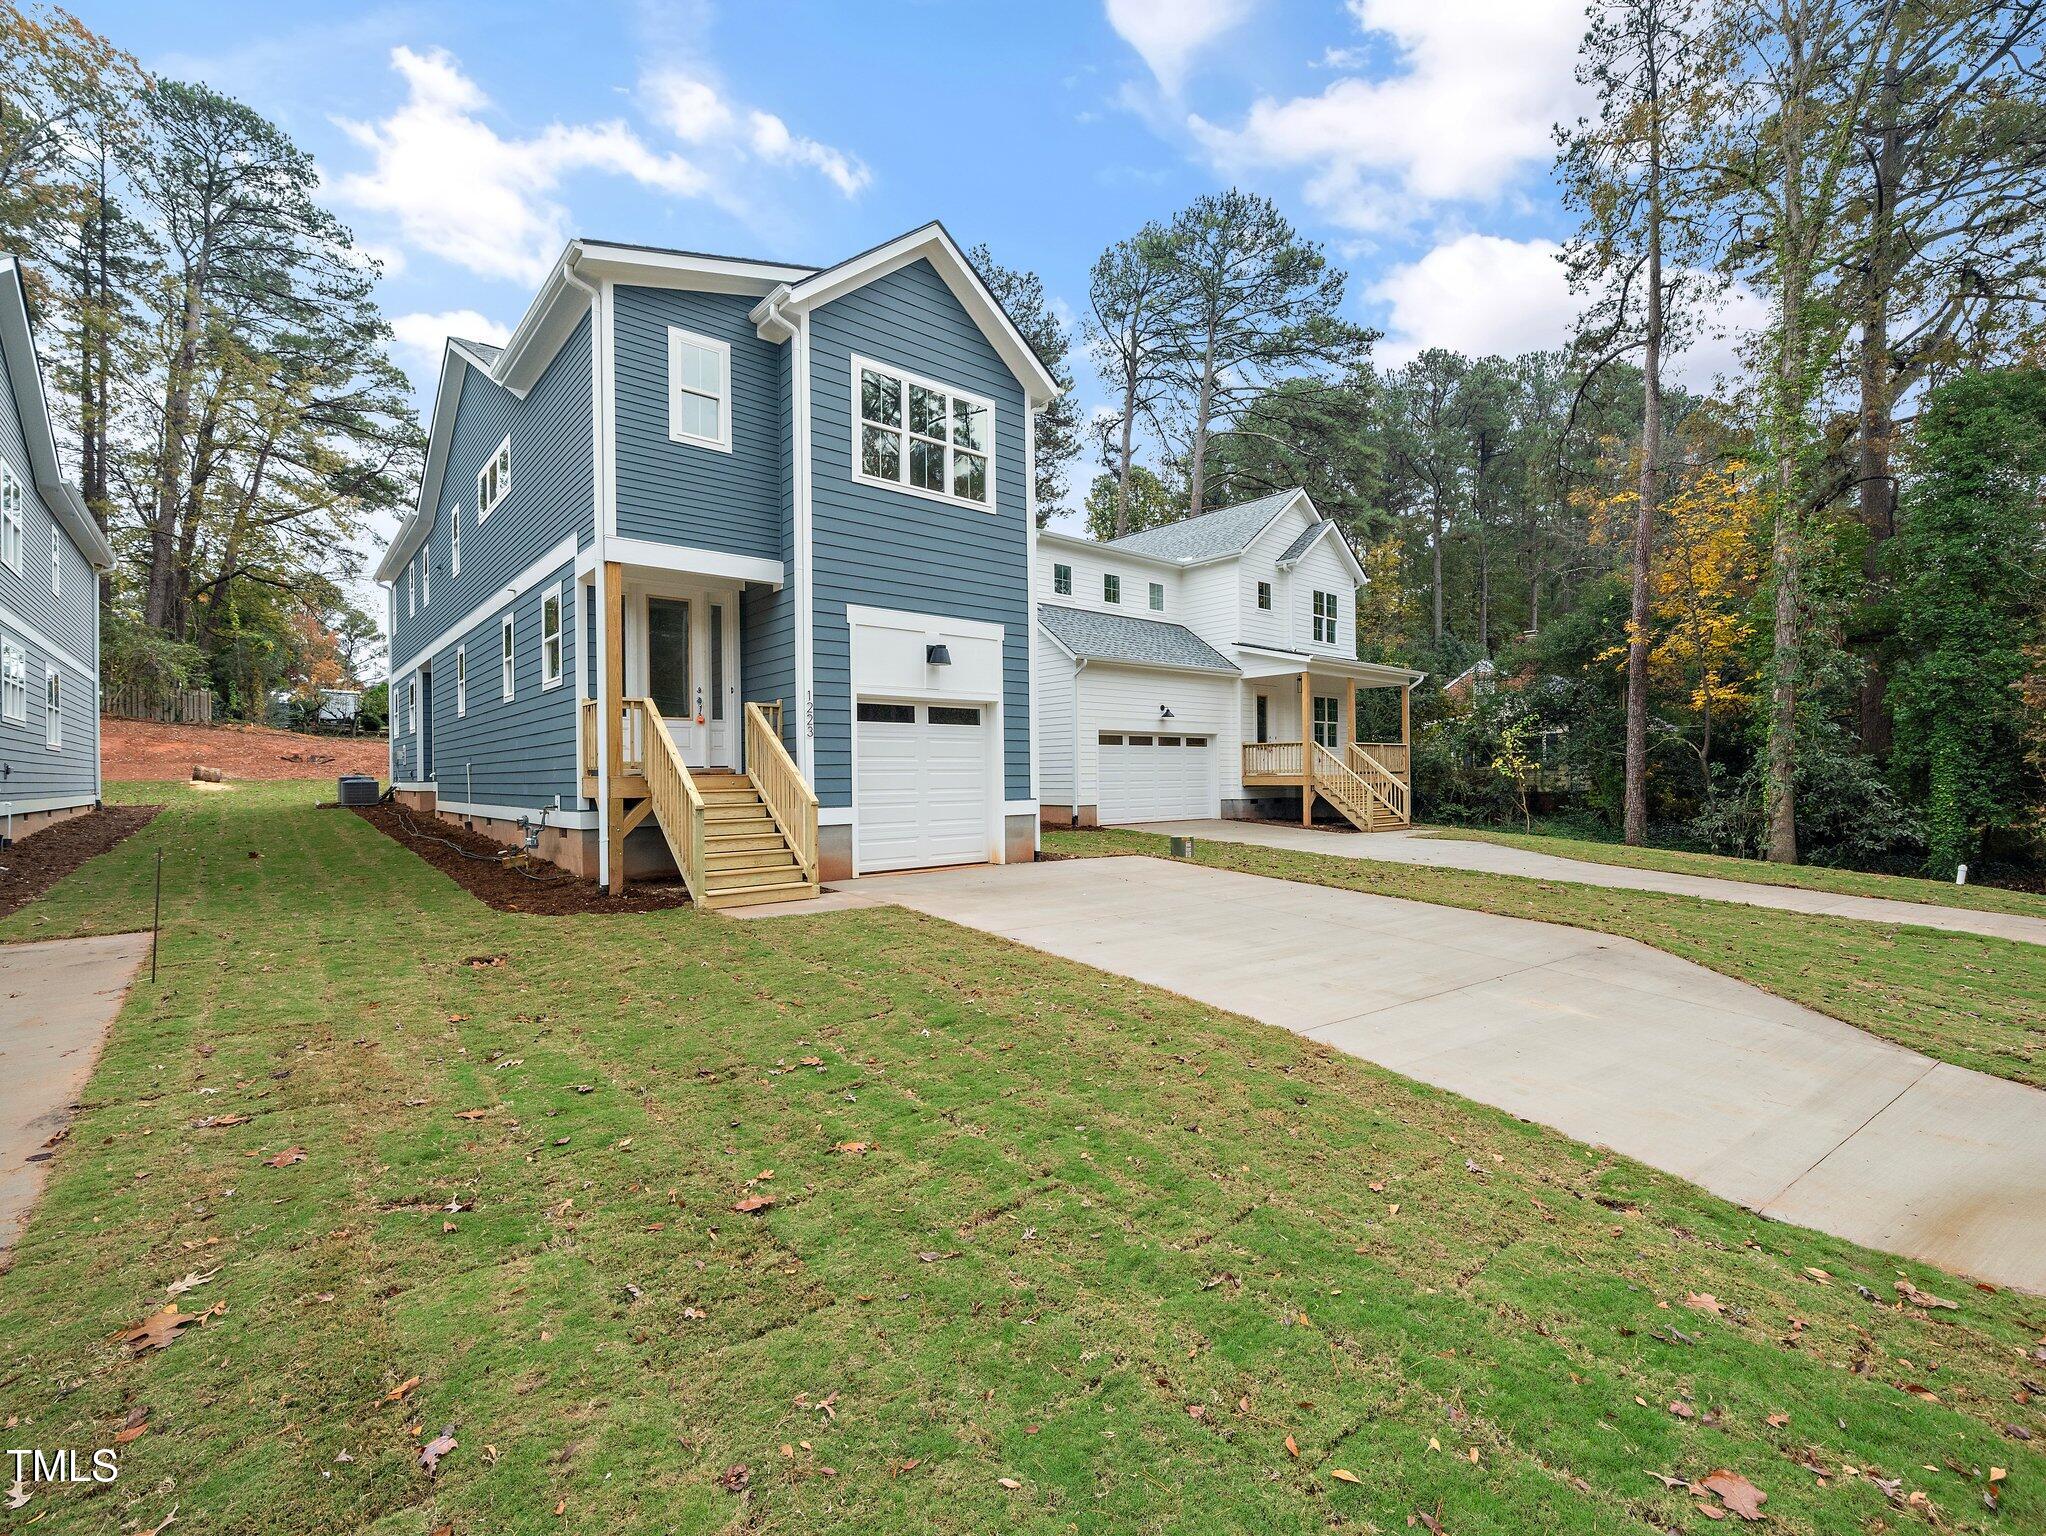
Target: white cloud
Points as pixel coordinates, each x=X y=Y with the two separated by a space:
x=1168 y=34
x=1468 y=110
x=419 y=338
x=455 y=187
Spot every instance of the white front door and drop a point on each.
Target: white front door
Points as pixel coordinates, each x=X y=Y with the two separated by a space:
x=691 y=647
x=922 y=788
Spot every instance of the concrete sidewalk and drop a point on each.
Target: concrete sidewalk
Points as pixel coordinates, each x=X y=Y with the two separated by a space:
x=57 y=998
x=1410 y=847
x=1759 y=1100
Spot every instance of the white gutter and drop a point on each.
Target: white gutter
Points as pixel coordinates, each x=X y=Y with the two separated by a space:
x=771 y=324
x=598 y=462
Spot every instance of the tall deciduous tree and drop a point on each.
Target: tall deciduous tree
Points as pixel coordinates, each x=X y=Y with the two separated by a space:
x=1022 y=295
x=1127 y=328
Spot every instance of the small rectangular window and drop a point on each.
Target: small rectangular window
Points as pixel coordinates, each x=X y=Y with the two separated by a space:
x=550 y=638
x=887 y=714
x=1140 y=741
x=1111 y=739
x=699 y=390
x=53 y=710
x=1062 y=580
x=461 y=681
x=411 y=591
x=954 y=714
x=1168 y=741
x=426 y=576
x=493 y=480
x=13 y=682
x=1157 y=597
x=1197 y=741
x=1264 y=596
x=455 y=540
x=56 y=562
x=1264 y=718
x=11 y=514
x=507 y=671
x=1111 y=588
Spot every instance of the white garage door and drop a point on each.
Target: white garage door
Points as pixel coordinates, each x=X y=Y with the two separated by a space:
x=923 y=784
x=1155 y=778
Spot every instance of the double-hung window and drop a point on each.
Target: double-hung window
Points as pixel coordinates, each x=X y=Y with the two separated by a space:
x=699 y=390
x=411 y=592
x=53 y=710
x=461 y=681
x=1111 y=587
x=56 y=563
x=425 y=576
x=13 y=682
x=1324 y=618
x=922 y=436
x=1328 y=721
x=493 y=480
x=550 y=638
x=455 y=540
x=1157 y=597
x=11 y=502
x=1062 y=580
x=505 y=678
x=1264 y=596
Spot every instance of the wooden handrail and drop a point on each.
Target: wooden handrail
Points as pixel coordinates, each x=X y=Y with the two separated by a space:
x=1351 y=794
x=678 y=805
x=781 y=787
x=1395 y=756
x=591 y=750
x=1390 y=788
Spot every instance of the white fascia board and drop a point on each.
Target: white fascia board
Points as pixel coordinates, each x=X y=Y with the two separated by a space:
x=933 y=243
x=687 y=560
x=680 y=269
x=1110 y=552
x=556 y=819
x=447 y=395
x=28 y=805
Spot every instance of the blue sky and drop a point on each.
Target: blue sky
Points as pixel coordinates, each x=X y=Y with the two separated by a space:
x=465 y=143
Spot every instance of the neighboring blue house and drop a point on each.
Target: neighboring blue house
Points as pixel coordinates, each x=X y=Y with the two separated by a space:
x=727 y=565
x=51 y=552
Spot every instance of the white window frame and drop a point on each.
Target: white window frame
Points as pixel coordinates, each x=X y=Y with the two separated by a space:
x=13 y=516
x=677 y=338
x=1111 y=587
x=1264 y=597
x=53 y=710
x=493 y=480
x=1156 y=597
x=507 y=657
x=1333 y=614
x=13 y=682
x=1061 y=580
x=1333 y=720
x=56 y=562
x=552 y=677
x=455 y=540
x=906 y=377
x=425 y=576
x=411 y=590
x=461 y=681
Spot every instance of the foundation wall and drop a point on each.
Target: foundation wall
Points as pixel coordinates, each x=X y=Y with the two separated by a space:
x=27 y=823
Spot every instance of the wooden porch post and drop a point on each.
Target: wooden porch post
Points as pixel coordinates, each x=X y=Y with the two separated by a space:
x=1406 y=721
x=1306 y=751
x=611 y=713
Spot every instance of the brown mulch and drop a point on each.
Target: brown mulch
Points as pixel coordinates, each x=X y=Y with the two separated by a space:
x=43 y=858
x=144 y=750
x=495 y=881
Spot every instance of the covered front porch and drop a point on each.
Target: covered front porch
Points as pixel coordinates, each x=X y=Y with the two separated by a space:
x=1303 y=735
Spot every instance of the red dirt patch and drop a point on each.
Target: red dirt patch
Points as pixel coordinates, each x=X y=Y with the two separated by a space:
x=480 y=867
x=39 y=861
x=140 y=749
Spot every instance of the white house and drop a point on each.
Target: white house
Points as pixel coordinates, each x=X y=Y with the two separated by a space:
x=1209 y=668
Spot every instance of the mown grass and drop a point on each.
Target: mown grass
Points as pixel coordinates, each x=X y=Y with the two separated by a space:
x=1975 y=1001
x=1808 y=877
x=1088 y=1208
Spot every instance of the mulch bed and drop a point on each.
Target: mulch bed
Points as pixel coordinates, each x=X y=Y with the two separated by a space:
x=43 y=858
x=479 y=866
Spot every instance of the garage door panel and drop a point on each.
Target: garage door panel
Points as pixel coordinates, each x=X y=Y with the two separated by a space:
x=922 y=790
x=1147 y=776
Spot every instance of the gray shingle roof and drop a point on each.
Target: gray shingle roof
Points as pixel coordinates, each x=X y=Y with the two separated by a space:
x=1299 y=546
x=482 y=349
x=1147 y=642
x=1209 y=536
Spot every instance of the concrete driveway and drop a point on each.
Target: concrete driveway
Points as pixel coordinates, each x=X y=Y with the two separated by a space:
x=1410 y=847
x=56 y=1000
x=1764 y=1102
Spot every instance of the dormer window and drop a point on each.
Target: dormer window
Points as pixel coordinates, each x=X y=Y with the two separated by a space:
x=923 y=437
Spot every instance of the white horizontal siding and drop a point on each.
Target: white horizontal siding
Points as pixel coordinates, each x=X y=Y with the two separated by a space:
x=1128 y=699
x=1088 y=569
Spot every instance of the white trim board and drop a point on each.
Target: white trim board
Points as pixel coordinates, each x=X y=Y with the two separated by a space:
x=567 y=821
x=532 y=576
x=14 y=624
x=685 y=560
x=30 y=804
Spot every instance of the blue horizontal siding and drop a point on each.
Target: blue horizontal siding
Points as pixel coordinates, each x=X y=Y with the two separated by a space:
x=681 y=493
x=892 y=549
x=29 y=770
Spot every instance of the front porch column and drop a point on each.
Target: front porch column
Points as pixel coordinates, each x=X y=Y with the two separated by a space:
x=1406 y=724
x=1306 y=751
x=611 y=720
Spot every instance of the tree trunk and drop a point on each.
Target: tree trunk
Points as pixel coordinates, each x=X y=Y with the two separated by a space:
x=1876 y=486
x=1436 y=508
x=1635 y=818
x=1122 y=473
x=1785 y=556
x=161 y=594
x=1204 y=403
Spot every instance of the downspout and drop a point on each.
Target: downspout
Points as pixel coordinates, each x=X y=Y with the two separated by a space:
x=598 y=432
x=1079 y=666
x=771 y=324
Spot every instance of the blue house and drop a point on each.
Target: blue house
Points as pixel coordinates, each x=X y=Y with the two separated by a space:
x=725 y=567
x=51 y=552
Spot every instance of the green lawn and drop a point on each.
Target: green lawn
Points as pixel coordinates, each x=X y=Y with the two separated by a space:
x=1809 y=877
x=1105 y=1243
x=1975 y=1001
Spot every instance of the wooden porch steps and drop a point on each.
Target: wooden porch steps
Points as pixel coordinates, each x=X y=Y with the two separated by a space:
x=746 y=859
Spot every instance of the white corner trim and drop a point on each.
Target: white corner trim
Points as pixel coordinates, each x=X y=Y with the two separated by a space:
x=834 y=816
x=806 y=554
x=1019 y=807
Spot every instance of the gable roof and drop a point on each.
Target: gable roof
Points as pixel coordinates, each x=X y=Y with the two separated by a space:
x=1212 y=535
x=930 y=242
x=25 y=379
x=1089 y=636
x=484 y=352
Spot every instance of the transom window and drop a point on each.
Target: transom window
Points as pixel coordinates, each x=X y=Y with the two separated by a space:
x=1324 y=618
x=1062 y=580
x=550 y=638
x=11 y=495
x=923 y=437
x=1157 y=597
x=1328 y=721
x=699 y=390
x=1111 y=587
x=506 y=675
x=13 y=682
x=493 y=480
x=1264 y=596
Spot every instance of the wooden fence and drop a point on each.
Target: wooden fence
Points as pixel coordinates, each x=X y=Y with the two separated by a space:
x=181 y=706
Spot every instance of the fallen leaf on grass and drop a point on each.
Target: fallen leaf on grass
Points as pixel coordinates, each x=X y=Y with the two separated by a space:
x=471 y=1114
x=753 y=1203
x=1344 y=1475
x=1683 y=1410
x=219 y=1122
x=18 y=1495
x=1916 y=1390
x=928 y=1257
x=1427 y=1522
x=439 y=1446
x=1009 y=1483
x=1919 y=1298
x=1777 y=1420
x=402 y=1390
x=134 y=1427
x=158 y=1329
x=1740 y=1496
x=1704 y=1301
x=1291 y=1448
x=287 y=1157
x=192 y=1280
x=852 y=1148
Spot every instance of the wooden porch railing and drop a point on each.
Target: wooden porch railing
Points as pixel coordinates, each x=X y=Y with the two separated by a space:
x=677 y=804
x=1348 y=792
x=593 y=752
x=1271 y=760
x=1396 y=757
x=1391 y=789
x=789 y=800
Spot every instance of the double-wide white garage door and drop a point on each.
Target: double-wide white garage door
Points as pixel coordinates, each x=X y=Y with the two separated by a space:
x=1155 y=778
x=923 y=782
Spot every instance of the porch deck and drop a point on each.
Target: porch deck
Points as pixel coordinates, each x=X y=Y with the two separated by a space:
x=1368 y=782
